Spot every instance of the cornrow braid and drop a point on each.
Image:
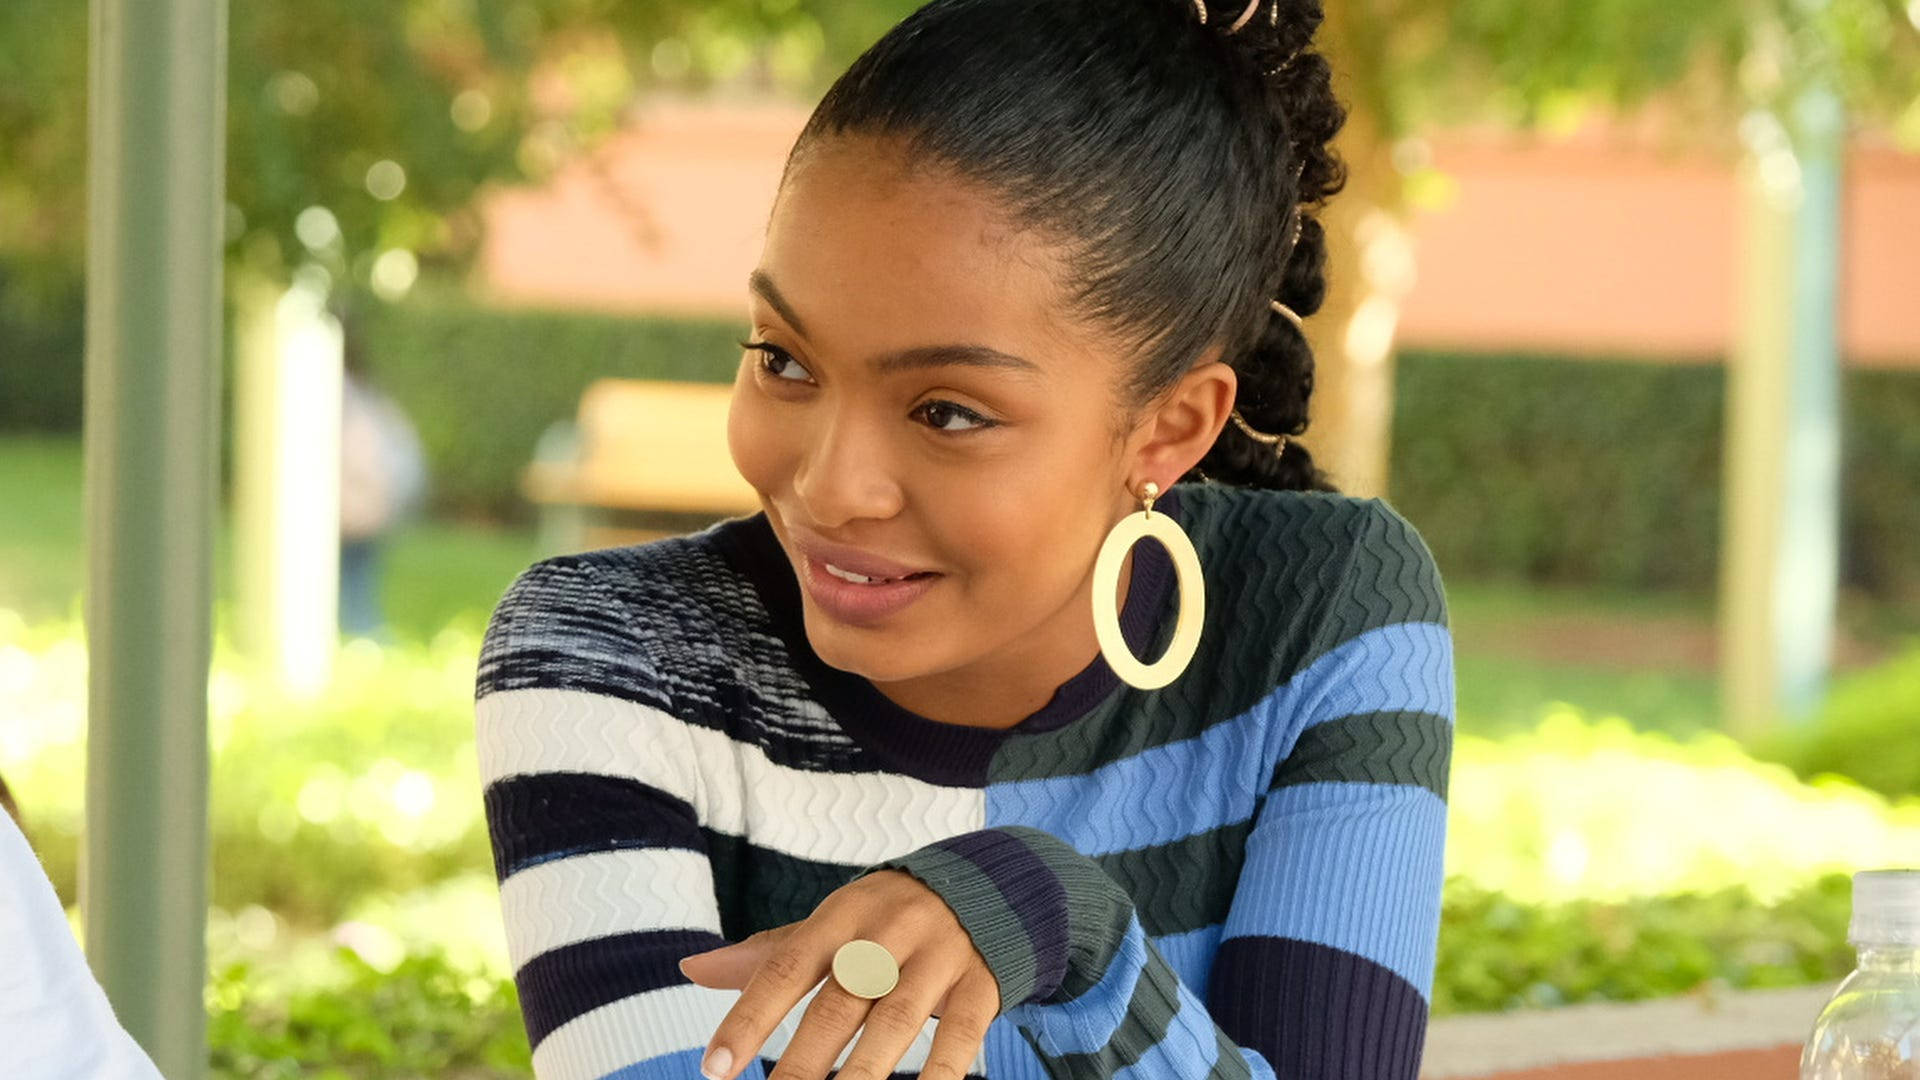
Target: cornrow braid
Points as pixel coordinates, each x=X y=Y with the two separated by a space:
x=1276 y=371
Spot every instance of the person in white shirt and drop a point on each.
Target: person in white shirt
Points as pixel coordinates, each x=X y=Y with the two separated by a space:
x=55 y=1021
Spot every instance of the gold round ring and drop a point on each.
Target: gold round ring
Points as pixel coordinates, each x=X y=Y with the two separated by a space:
x=865 y=969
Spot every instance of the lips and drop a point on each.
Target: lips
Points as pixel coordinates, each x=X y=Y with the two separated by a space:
x=853 y=560
x=858 y=587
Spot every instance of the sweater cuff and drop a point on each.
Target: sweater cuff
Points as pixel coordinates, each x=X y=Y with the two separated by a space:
x=1007 y=888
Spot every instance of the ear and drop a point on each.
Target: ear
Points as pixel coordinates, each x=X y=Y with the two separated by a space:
x=1179 y=428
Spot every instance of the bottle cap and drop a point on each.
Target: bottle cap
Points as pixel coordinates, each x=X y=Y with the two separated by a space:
x=1886 y=908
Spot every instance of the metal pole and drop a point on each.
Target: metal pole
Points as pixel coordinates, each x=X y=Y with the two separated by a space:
x=155 y=195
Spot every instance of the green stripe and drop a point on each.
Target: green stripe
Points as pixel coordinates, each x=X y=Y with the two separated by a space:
x=1290 y=576
x=983 y=912
x=1156 y=997
x=1399 y=747
x=758 y=889
x=1098 y=909
x=1183 y=885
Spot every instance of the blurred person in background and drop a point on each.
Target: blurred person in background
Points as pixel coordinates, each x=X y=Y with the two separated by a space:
x=383 y=482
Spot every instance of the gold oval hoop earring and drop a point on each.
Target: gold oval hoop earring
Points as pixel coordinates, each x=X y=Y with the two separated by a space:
x=1106 y=583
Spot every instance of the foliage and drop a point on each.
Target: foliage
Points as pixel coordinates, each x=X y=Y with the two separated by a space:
x=318 y=93
x=377 y=782
x=422 y=1016
x=356 y=926
x=1583 y=808
x=1506 y=479
x=1498 y=953
x=372 y=789
x=1868 y=729
x=40 y=337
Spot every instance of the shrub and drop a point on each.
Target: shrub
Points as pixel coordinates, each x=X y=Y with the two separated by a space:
x=421 y=1017
x=1868 y=730
x=1497 y=953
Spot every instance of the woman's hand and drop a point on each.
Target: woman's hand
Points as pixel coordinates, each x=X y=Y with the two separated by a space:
x=941 y=975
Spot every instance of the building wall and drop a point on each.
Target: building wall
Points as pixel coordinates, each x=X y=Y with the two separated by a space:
x=1600 y=243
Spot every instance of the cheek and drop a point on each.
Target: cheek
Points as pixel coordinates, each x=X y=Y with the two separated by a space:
x=754 y=441
x=1022 y=548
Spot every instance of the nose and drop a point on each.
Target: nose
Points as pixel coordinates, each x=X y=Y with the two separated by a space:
x=846 y=472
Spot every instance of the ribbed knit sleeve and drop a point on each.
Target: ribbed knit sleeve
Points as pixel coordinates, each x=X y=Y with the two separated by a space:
x=1326 y=958
x=590 y=795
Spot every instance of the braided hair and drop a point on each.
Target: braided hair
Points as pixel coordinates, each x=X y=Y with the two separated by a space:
x=1173 y=161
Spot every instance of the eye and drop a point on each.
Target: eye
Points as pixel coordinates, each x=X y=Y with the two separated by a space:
x=941 y=414
x=771 y=359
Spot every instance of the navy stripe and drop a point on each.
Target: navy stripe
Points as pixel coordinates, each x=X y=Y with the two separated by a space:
x=1033 y=892
x=1312 y=1010
x=540 y=817
x=573 y=980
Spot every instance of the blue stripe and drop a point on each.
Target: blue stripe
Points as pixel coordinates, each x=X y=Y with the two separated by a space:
x=1189 y=1048
x=1087 y=1023
x=1261 y=1068
x=1190 y=954
x=1352 y=866
x=1404 y=666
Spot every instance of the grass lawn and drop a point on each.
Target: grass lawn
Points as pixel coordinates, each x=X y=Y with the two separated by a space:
x=437 y=572
x=1518 y=647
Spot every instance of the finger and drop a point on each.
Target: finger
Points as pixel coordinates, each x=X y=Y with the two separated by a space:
x=825 y=1029
x=971 y=1005
x=728 y=967
x=892 y=1024
x=793 y=966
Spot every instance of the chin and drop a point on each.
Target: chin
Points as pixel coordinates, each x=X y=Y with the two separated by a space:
x=878 y=654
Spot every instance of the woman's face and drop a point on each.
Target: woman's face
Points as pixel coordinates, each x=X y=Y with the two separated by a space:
x=921 y=403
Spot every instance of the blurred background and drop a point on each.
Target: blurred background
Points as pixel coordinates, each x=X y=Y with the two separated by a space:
x=1625 y=318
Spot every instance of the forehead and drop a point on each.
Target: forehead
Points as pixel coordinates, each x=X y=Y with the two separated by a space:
x=873 y=254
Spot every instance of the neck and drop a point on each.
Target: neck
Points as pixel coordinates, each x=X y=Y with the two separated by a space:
x=1001 y=690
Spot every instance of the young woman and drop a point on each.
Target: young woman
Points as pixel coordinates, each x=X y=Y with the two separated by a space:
x=925 y=769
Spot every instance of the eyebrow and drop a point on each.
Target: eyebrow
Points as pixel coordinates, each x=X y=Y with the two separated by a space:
x=914 y=358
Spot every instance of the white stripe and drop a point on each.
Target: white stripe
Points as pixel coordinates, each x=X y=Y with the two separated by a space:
x=678 y=1018
x=853 y=819
x=581 y=897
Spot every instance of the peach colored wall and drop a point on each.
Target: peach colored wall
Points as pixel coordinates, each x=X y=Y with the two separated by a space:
x=1595 y=244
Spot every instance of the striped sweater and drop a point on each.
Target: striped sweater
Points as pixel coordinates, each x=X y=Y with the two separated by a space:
x=1234 y=875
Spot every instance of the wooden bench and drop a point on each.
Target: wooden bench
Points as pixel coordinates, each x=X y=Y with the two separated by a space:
x=642 y=459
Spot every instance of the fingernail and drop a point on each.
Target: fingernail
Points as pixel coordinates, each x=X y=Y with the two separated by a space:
x=719 y=1060
x=683 y=969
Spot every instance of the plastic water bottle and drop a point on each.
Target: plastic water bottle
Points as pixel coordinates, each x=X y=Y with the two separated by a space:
x=1870 y=1030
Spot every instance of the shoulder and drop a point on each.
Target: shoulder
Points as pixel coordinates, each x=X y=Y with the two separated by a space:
x=1308 y=570
x=614 y=620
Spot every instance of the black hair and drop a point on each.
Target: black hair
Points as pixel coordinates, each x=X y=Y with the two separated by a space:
x=1168 y=157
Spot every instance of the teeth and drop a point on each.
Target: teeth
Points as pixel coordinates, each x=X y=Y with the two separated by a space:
x=848 y=575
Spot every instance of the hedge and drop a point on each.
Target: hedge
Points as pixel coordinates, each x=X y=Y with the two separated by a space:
x=1543 y=468
x=482 y=385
